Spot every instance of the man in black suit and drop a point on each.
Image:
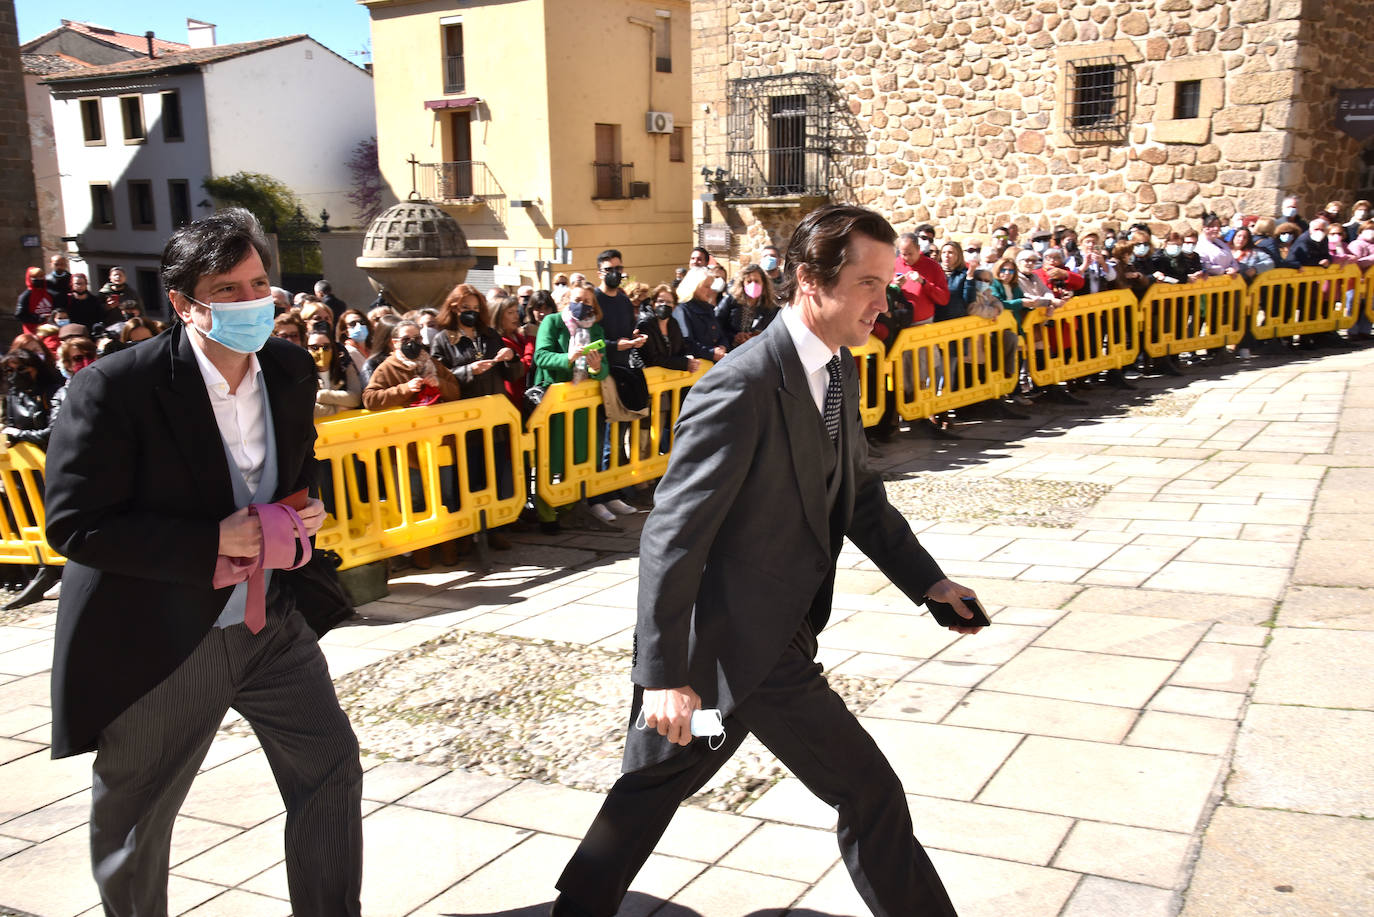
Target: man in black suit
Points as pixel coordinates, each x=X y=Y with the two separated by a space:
x=768 y=475
x=151 y=472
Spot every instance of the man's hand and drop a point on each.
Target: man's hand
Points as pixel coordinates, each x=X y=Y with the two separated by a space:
x=669 y=711
x=312 y=515
x=415 y=384
x=718 y=354
x=951 y=593
x=240 y=535
x=505 y=355
x=693 y=364
x=593 y=360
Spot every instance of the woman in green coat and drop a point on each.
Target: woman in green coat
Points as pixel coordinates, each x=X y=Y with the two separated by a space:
x=570 y=347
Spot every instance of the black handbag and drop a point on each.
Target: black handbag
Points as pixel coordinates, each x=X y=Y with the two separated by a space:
x=319 y=596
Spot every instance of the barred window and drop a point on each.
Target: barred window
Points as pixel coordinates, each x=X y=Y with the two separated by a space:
x=781 y=136
x=1098 y=100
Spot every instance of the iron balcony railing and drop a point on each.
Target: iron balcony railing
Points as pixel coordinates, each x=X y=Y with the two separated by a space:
x=457 y=182
x=612 y=180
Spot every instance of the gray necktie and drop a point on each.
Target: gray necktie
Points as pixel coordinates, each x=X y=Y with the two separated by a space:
x=834 y=397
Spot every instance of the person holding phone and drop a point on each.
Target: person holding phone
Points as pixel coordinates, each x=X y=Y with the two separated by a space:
x=769 y=474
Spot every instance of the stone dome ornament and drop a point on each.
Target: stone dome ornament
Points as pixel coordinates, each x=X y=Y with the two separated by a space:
x=417 y=253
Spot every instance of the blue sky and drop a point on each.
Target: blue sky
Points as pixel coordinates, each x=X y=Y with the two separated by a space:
x=340 y=25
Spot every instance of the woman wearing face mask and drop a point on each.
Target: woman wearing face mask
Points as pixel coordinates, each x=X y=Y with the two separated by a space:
x=31 y=405
x=340 y=387
x=1285 y=236
x=1251 y=261
x=409 y=377
x=570 y=347
x=750 y=306
x=1360 y=211
x=1310 y=249
x=1363 y=249
x=463 y=299
x=354 y=331
x=1135 y=260
x=664 y=346
x=505 y=317
x=1178 y=262
x=696 y=317
x=956 y=276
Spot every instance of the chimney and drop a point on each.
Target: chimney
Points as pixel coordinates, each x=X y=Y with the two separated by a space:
x=149 y=36
x=200 y=34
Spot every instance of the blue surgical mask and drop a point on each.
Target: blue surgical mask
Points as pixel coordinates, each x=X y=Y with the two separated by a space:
x=1171 y=250
x=358 y=333
x=243 y=327
x=769 y=263
x=1141 y=249
x=63 y=322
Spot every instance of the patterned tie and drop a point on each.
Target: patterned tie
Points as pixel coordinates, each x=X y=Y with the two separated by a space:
x=834 y=397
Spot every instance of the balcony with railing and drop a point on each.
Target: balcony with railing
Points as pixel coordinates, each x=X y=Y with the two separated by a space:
x=454 y=80
x=614 y=181
x=467 y=183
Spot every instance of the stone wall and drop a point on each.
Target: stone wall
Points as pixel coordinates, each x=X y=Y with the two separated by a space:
x=1332 y=52
x=962 y=103
x=18 y=203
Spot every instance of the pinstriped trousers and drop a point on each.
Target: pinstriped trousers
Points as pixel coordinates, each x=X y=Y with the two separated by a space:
x=148 y=756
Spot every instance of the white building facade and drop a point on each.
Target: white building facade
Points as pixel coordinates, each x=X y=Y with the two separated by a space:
x=136 y=139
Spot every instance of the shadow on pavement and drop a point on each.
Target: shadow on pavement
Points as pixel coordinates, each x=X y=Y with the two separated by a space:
x=642 y=906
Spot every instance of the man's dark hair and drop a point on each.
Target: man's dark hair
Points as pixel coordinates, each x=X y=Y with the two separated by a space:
x=820 y=244
x=607 y=255
x=926 y=227
x=323 y=288
x=698 y=248
x=211 y=245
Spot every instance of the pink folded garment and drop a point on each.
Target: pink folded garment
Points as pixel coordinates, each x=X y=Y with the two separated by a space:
x=282 y=531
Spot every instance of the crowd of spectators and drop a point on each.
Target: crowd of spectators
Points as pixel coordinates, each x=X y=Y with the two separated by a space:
x=611 y=327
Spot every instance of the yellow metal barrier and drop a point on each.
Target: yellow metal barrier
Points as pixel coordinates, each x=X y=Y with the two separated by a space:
x=1367 y=294
x=1309 y=300
x=1089 y=334
x=21 y=498
x=1176 y=318
x=567 y=432
x=874 y=380
x=409 y=478
x=947 y=365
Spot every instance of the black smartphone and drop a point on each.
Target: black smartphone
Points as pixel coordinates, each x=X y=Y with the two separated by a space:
x=945 y=615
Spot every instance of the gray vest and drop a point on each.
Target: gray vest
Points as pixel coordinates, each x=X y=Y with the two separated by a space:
x=267 y=484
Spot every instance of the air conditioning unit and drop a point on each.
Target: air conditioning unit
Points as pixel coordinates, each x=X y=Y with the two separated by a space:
x=638 y=190
x=658 y=122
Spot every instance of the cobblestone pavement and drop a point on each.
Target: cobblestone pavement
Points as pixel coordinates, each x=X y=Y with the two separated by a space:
x=1171 y=714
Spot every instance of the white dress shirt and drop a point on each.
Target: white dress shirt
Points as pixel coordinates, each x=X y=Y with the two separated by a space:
x=813 y=353
x=239 y=415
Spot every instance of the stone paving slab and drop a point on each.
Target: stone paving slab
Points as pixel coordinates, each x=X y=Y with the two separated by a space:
x=1063 y=764
x=1282 y=864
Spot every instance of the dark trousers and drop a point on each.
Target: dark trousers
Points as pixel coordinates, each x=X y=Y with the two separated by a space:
x=146 y=759
x=806 y=724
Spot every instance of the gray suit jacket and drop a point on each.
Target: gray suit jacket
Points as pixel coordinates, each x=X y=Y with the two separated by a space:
x=738 y=549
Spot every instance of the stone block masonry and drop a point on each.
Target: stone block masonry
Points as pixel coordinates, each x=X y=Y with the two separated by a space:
x=962 y=107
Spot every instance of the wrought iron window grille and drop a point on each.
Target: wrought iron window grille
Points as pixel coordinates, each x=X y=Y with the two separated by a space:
x=781 y=132
x=1098 y=102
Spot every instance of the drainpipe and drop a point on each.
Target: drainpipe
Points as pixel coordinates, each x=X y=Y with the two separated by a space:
x=149 y=36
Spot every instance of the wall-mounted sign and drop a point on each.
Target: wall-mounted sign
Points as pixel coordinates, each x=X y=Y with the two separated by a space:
x=714 y=237
x=1355 y=112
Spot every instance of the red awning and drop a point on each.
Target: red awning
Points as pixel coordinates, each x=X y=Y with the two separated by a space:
x=465 y=102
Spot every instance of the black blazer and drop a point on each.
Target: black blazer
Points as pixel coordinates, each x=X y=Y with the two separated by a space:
x=739 y=549
x=669 y=352
x=137 y=483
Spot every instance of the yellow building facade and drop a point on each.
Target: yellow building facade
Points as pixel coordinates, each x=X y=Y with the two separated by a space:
x=524 y=117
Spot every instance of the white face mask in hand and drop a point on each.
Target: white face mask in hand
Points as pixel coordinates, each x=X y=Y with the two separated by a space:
x=707 y=723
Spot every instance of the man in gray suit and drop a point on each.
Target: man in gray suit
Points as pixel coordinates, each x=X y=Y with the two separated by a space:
x=769 y=474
